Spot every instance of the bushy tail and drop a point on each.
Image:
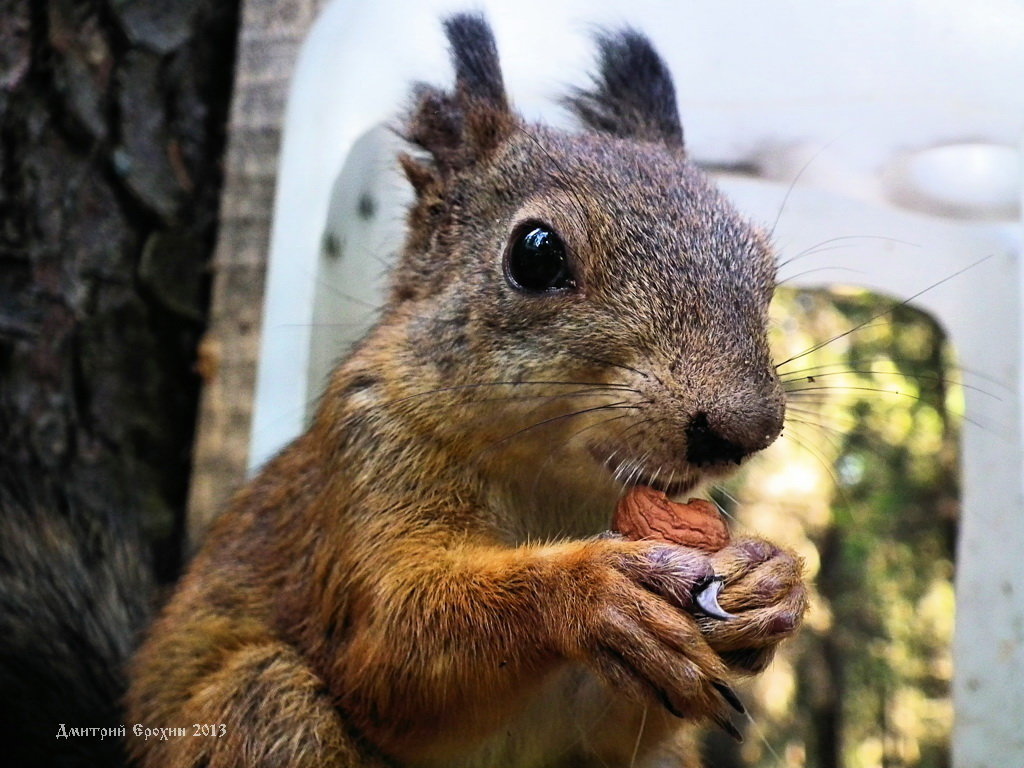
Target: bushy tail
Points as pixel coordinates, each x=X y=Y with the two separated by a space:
x=75 y=592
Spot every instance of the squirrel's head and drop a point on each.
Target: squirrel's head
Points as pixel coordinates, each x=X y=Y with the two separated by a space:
x=589 y=295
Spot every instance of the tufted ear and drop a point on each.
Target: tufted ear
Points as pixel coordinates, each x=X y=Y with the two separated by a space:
x=462 y=126
x=633 y=95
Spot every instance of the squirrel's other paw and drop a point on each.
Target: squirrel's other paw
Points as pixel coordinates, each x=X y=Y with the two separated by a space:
x=764 y=590
x=625 y=622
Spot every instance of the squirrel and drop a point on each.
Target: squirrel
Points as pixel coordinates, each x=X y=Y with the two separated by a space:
x=424 y=577
x=419 y=579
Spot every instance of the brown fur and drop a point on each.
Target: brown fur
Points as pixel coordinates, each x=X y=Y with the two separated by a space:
x=416 y=580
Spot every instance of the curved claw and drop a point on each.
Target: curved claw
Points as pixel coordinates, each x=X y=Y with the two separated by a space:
x=729 y=728
x=707 y=599
x=730 y=696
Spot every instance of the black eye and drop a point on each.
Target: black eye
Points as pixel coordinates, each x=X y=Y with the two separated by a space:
x=536 y=261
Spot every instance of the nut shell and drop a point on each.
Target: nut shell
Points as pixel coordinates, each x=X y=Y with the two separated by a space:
x=646 y=513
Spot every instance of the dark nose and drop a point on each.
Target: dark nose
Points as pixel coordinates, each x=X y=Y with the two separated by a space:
x=709 y=443
x=705 y=446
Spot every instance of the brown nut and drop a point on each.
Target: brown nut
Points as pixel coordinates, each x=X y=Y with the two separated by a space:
x=645 y=513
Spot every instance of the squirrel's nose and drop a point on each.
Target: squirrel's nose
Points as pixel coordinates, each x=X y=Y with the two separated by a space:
x=727 y=441
x=706 y=446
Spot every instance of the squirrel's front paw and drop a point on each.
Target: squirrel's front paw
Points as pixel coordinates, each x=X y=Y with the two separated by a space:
x=630 y=618
x=764 y=590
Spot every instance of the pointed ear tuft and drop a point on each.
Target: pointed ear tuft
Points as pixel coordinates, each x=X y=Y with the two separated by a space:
x=633 y=95
x=475 y=56
x=461 y=127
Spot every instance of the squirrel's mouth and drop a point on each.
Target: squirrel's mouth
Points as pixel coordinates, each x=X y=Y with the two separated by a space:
x=670 y=486
x=629 y=471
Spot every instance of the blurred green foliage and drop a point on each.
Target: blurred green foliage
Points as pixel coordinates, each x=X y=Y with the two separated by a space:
x=864 y=485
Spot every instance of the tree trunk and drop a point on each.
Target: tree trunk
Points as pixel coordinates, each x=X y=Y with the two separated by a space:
x=112 y=117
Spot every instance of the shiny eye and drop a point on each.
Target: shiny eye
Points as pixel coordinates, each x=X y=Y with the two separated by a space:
x=536 y=261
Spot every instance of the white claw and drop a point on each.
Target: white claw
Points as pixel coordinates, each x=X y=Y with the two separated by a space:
x=707 y=599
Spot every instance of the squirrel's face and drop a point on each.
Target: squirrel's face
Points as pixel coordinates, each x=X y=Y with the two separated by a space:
x=601 y=276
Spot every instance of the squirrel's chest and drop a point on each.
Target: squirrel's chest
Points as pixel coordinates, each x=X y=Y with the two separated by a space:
x=574 y=721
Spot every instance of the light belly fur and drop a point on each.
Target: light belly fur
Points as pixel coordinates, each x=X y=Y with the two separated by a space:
x=574 y=721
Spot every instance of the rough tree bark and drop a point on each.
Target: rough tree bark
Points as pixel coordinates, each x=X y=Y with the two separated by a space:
x=112 y=117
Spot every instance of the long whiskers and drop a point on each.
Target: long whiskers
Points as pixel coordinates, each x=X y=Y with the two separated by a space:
x=793 y=183
x=553 y=451
x=860 y=363
x=602 y=361
x=811 y=375
x=814 y=417
x=790 y=278
x=825 y=463
x=620 y=405
x=883 y=313
x=592 y=386
x=834 y=243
